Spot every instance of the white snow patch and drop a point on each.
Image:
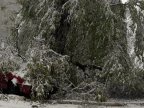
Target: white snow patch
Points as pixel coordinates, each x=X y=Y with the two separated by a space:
x=22 y=71
x=14 y=81
x=124 y=1
x=2 y=45
x=26 y=83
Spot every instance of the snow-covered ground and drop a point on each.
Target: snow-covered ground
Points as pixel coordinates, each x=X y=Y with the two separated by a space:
x=18 y=102
x=23 y=104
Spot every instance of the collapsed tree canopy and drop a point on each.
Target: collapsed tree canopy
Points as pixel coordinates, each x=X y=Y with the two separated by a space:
x=91 y=32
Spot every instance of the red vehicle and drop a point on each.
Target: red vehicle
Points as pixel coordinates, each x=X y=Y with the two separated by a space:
x=12 y=84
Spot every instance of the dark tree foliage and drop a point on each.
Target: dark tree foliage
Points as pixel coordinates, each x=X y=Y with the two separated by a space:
x=94 y=34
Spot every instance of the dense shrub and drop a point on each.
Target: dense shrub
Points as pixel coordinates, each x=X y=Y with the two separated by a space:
x=126 y=84
x=9 y=66
x=41 y=79
x=47 y=74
